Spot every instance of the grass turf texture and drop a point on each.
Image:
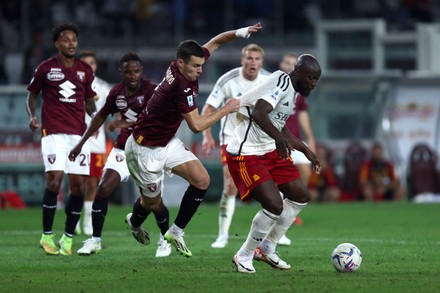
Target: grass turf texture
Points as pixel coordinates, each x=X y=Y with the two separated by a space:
x=400 y=245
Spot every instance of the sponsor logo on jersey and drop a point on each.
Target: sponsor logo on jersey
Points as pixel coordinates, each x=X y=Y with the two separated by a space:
x=152 y=187
x=67 y=90
x=51 y=158
x=55 y=69
x=81 y=75
x=121 y=103
x=275 y=94
x=140 y=100
x=55 y=76
x=190 y=100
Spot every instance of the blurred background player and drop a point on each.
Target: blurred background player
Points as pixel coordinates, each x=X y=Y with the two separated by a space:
x=97 y=145
x=378 y=179
x=324 y=187
x=66 y=86
x=232 y=84
x=128 y=98
x=297 y=122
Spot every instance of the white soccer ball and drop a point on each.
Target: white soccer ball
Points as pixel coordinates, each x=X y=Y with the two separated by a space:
x=346 y=257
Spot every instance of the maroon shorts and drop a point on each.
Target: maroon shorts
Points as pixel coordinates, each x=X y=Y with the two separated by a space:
x=97 y=162
x=224 y=154
x=250 y=171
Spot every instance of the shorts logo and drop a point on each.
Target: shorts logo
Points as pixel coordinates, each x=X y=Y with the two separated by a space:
x=119 y=158
x=256 y=177
x=190 y=101
x=51 y=158
x=152 y=187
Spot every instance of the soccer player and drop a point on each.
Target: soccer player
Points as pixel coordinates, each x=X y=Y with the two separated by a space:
x=299 y=120
x=66 y=86
x=153 y=147
x=128 y=98
x=97 y=145
x=260 y=164
x=232 y=84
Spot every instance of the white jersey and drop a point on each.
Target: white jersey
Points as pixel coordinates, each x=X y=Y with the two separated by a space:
x=249 y=138
x=101 y=88
x=232 y=84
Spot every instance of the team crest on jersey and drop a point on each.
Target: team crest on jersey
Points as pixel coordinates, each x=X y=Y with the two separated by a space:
x=190 y=100
x=55 y=75
x=121 y=103
x=152 y=187
x=52 y=158
x=140 y=100
x=81 y=75
x=119 y=158
x=275 y=94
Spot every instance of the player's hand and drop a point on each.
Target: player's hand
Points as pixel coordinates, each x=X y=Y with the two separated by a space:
x=119 y=124
x=283 y=147
x=33 y=124
x=208 y=144
x=75 y=152
x=255 y=28
x=232 y=105
x=316 y=163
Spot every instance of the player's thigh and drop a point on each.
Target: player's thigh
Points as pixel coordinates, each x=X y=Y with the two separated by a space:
x=228 y=182
x=295 y=190
x=117 y=161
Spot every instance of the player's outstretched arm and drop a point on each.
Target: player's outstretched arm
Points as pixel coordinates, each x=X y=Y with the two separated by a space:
x=94 y=125
x=198 y=123
x=231 y=35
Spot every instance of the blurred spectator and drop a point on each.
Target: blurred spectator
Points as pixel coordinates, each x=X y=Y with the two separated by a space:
x=324 y=186
x=378 y=179
x=34 y=55
x=9 y=37
x=354 y=157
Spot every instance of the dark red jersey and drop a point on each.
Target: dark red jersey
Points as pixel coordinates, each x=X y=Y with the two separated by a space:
x=174 y=96
x=128 y=106
x=64 y=91
x=293 y=122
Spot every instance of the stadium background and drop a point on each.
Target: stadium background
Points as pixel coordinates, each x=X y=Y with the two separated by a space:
x=380 y=69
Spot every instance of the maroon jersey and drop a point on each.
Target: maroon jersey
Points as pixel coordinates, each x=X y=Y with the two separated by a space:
x=64 y=91
x=128 y=106
x=293 y=122
x=174 y=96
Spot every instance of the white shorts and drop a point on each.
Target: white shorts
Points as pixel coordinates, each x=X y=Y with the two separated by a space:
x=299 y=158
x=55 y=149
x=116 y=161
x=147 y=164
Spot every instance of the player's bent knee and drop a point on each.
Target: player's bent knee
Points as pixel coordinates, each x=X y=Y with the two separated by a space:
x=202 y=182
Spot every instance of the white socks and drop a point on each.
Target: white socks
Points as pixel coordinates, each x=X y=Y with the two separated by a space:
x=87 y=220
x=290 y=210
x=261 y=224
x=227 y=208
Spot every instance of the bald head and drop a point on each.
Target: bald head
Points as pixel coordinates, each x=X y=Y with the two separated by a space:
x=306 y=74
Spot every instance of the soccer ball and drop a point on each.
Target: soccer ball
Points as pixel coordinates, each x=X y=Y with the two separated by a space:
x=346 y=257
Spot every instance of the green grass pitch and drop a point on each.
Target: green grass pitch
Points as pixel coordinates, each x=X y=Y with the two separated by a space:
x=400 y=243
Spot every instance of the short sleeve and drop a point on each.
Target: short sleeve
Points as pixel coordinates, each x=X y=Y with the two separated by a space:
x=216 y=97
x=37 y=81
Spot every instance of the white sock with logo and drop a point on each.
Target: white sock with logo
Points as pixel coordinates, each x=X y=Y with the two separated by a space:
x=261 y=224
x=290 y=210
x=227 y=208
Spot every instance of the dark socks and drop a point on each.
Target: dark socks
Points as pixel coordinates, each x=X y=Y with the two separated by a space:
x=99 y=211
x=191 y=200
x=73 y=212
x=49 y=208
x=139 y=214
x=163 y=219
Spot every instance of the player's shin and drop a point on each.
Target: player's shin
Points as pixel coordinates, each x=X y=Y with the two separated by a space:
x=261 y=224
x=227 y=208
x=291 y=210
